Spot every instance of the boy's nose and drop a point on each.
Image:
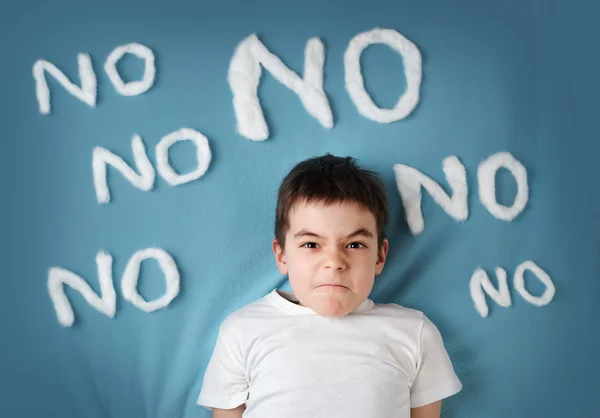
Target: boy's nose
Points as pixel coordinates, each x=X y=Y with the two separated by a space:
x=335 y=261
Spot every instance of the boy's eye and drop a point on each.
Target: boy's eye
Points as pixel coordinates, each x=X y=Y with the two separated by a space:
x=356 y=245
x=309 y=245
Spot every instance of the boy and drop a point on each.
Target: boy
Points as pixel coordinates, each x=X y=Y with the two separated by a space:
x=326 y=350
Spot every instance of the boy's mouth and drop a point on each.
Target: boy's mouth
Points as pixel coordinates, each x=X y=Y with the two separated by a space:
x=332 y=285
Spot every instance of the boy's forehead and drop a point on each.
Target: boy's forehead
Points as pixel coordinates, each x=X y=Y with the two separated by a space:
x=346 y=214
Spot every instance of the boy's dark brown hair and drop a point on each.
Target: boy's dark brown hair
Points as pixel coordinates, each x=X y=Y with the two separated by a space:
x=330 y=179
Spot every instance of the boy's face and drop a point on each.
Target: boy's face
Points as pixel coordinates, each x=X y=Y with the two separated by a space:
x=331 y=256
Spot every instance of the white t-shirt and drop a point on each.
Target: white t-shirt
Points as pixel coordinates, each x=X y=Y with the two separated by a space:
x=285 y=361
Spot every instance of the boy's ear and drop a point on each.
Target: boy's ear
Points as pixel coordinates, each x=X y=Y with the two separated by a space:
x=280 y=257
x=382 y=253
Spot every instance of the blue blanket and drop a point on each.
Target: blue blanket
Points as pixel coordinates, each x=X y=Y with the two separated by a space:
x=515 y=76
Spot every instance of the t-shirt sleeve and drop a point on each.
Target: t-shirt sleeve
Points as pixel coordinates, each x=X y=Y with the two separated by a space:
x=434 y=377
x=224 y=385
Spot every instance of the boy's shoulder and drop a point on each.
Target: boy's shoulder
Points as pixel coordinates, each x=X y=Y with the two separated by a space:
x=256 y=310
x=396 y=310
x=399 y=317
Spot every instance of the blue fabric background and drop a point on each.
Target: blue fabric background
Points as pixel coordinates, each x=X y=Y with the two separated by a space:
x=516 y=76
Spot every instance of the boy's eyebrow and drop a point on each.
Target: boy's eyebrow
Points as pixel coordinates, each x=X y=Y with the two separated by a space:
x=359 y=232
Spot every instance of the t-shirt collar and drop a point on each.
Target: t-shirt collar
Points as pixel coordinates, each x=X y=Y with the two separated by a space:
x=288 y=302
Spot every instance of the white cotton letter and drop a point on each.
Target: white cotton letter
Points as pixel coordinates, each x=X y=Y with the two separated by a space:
x=202 y=153
x=486 y=174
x=133 y=88
x=410 y=180
x=86 y=93
x=244 y=75
x=107 y=303
x=102 y=157
x=355 y=83
x=548 y=295
x=480 y=282
x=132 y=272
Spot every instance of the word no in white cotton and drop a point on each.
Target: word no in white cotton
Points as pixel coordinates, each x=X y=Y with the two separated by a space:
x=88 y=91
x=410 y=182
x=244 y=74
x=106 y=303
x=145 y=179
x=480 y=282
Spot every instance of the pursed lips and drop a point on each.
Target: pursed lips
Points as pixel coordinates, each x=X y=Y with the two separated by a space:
x=331 y=285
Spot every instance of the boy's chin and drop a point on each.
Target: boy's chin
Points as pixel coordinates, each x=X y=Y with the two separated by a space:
x=332 y=306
